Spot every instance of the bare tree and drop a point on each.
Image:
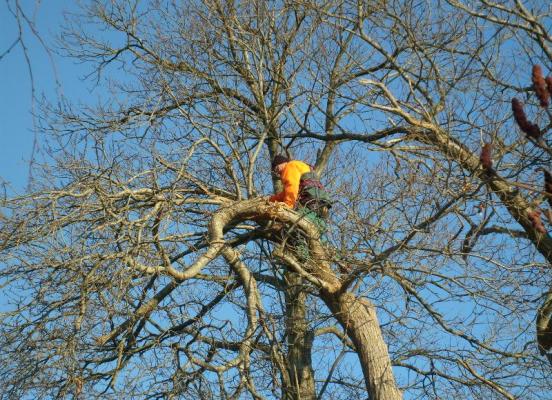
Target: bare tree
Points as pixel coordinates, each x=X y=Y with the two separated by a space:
x=147 y=262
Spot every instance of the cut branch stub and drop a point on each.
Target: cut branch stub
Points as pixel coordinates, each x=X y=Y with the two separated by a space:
x=535 y=218
x=548 y=81
x=539 y=85
x=548 y=185
x=486 y=156
x=530 y=129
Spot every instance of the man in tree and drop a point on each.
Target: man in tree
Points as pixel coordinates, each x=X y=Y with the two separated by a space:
x=302 y=190
x=290 y=172
x=133 y=267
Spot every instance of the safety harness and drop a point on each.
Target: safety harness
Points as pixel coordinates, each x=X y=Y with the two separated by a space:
x=313 y=195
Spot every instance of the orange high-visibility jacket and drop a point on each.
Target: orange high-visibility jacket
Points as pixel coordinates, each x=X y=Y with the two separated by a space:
x=291 y=176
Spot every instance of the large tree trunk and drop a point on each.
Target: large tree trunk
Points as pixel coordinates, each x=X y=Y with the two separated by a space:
x=299 y=383
x=544 y=327
x=358 y=318
x=299 y=339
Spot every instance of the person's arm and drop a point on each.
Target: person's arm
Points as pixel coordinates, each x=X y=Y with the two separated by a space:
x=277 y=197
x=290 y=178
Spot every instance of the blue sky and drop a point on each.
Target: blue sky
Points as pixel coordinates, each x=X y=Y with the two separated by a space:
x=50 y=76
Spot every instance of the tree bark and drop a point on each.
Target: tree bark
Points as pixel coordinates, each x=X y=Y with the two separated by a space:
x=515 y=203
x=544 y=327
x=358 y=318
x=299 y=339
x=299 y=383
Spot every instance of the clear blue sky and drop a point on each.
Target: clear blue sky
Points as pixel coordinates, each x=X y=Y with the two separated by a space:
x=16 y=105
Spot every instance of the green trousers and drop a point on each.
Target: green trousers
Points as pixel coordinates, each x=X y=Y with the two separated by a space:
x=302 y=247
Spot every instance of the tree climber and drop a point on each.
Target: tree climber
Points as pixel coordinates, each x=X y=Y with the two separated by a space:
x=290 y=172
x=302 y=190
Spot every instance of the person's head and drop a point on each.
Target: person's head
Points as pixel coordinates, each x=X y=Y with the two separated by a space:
x=279 y=162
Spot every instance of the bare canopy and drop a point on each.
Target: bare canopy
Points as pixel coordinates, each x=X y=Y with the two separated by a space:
x=145 y=260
